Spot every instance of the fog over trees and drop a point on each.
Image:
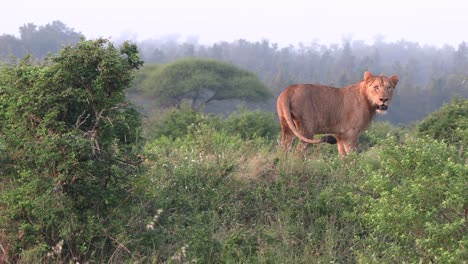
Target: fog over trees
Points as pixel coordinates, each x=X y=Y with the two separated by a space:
x=429 y=75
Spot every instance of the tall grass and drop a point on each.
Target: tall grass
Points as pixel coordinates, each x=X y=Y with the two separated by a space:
x=218 y=198
x=229 y=200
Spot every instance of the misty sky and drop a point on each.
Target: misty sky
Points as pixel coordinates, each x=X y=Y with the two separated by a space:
x=283 y=22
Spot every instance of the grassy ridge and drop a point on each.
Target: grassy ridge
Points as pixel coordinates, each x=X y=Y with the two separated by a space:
x=243 y=201
x=218 y=198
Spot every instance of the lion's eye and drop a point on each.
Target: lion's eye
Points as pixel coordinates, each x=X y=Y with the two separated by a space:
x=376 y=87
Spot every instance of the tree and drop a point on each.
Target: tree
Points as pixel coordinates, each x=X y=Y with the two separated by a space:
x=201 y=81
x=11 y=46
x=69 y=142
x=38 y=41
x=49 y=38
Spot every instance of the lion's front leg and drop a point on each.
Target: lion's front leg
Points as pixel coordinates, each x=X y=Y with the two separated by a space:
x=351 y=145
x=340 y=146
x=346 y=145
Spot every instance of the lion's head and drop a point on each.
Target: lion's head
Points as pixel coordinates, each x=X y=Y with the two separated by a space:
x=379 y=90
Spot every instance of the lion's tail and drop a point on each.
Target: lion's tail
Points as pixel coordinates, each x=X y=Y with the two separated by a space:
x=292 y=126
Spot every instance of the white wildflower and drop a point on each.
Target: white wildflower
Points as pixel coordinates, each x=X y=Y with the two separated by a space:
x=58 y=248
x=150 y=226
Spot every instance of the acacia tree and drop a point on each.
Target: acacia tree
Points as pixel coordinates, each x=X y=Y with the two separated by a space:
x=201 y=81
x=69 y=142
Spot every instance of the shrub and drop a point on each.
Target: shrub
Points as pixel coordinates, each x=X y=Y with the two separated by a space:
x=251 y=124
x=172 y=123
x=412 y=198
x=69 y=143
x=449 y=123
x=378 y=132
x=176 y=122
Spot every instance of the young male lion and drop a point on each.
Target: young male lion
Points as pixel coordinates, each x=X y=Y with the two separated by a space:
x=308 y=109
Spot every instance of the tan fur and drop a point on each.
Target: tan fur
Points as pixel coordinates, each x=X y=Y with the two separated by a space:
x=308 y=109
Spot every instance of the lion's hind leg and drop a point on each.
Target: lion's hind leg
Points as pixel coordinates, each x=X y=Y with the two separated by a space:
x=302 y=146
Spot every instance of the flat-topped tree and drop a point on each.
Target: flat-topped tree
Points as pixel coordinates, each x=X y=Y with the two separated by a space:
x=201 y=81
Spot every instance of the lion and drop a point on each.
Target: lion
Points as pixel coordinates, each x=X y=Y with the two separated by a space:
x=305 y=110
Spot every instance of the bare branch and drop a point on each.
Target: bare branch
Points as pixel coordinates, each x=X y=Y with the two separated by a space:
x=80 y=120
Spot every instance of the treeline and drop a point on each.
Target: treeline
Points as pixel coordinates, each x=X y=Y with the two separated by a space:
x=37 y=41
x=429 y=75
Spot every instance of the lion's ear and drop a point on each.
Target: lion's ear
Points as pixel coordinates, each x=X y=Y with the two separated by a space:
x=394 y=80
x=367 y=75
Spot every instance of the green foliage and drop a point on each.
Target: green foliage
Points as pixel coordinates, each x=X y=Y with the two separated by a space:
x=201 y=81
x=172 y=123
x=143 y=79
x=175 y=123
x=252 y=124
x=412 y=198
x=449 y=123
x=378 y=132
x=69 y=142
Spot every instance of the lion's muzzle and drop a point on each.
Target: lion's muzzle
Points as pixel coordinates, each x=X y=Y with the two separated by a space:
x=382 y=107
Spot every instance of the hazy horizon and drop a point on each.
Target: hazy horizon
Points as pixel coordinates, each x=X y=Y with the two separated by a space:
x=433 y=23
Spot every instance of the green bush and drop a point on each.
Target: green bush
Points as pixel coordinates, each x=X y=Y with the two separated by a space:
x=252 y=124
x=412 y=198
x=378 y=132
x=69 y=145
x=172 y=123
x=176 y=122
x=449 y=123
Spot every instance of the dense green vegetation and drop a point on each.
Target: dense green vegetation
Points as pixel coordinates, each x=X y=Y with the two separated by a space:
x=449 y=123
x=227 y=199
x=83 y=178
x=69 y=152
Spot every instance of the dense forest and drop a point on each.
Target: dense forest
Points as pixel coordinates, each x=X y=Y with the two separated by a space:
x=429 y=76
x=85 y=177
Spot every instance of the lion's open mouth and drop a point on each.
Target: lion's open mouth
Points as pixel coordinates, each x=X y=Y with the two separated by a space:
x=382 y=107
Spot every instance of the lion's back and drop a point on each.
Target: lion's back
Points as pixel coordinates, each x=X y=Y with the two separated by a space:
x=312 y=97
